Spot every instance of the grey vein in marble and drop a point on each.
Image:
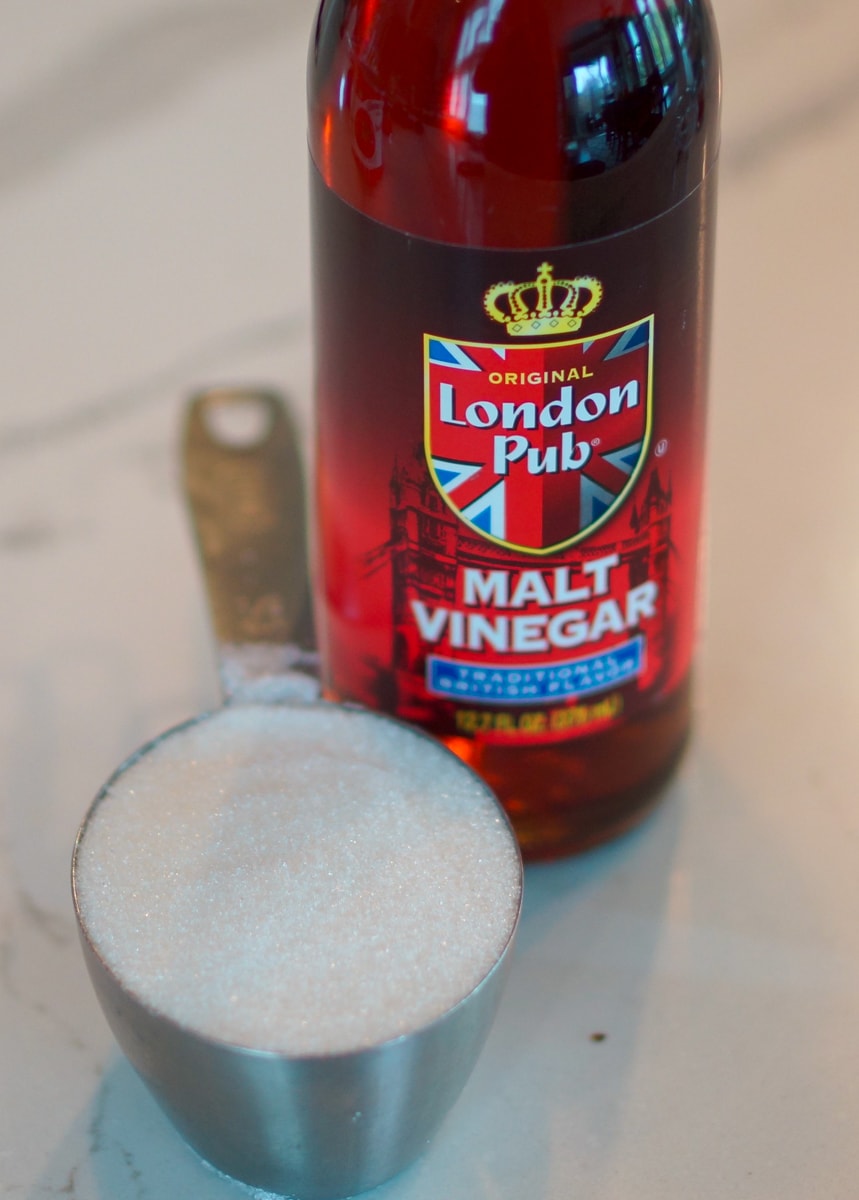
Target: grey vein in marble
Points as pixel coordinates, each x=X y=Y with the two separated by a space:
x=59 y=932
x=56 y=927
x=794 y=125
x=28 y=534
x=100 y=1139
x=99 y=410
x=136 y=68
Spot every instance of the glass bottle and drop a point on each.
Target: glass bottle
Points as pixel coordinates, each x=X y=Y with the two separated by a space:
x=512 y=213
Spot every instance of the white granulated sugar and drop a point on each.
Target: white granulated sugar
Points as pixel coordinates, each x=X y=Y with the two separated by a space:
x=306 y=880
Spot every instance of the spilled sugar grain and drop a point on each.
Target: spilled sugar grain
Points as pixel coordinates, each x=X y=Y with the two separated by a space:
x=302 y=880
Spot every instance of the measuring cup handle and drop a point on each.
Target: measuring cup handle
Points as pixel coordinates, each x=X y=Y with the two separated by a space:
x=244 y=486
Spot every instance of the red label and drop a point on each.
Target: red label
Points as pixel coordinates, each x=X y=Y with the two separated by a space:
x=510 y=456
x=536 y=446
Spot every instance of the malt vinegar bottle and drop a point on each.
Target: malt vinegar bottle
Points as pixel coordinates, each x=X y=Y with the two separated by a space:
x=512 y=222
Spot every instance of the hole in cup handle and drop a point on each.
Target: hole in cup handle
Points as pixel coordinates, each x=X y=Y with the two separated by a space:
x=238 y=419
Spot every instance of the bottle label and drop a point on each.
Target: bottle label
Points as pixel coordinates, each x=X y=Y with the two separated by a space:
x=535 y=446
x=536 y=419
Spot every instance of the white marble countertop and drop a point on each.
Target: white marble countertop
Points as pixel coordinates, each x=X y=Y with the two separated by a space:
x=153 y=240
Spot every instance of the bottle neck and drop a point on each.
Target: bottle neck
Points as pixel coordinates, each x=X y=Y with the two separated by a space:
x=514 y=122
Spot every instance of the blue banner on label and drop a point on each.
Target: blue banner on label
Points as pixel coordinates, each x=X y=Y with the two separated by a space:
x=535 y=684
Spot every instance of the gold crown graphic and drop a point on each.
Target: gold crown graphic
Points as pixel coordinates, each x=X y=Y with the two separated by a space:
x=543 y=305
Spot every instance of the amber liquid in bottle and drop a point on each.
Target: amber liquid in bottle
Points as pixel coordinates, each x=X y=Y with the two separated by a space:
x=445 y=128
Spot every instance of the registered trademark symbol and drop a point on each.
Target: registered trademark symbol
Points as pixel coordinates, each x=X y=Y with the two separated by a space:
x=661 y=447
x=596 y=442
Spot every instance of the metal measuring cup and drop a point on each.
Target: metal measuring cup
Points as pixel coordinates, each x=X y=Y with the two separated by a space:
x=314 y=1126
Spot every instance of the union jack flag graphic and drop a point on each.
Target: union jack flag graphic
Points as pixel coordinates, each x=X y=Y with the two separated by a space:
x=535 y=446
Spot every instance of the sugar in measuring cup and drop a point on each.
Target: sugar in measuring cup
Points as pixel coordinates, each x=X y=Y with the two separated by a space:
x=297 y=916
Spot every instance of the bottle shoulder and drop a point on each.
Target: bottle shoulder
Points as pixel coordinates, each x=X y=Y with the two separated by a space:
x=513 y=122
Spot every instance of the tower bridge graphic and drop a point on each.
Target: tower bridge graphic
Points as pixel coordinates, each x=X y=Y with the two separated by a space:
x=429 y=545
